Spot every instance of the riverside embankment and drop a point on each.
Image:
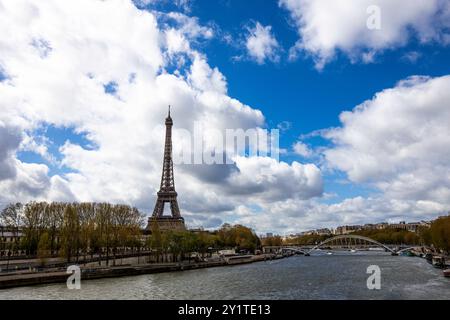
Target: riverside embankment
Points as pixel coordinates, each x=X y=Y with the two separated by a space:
x=19 y=279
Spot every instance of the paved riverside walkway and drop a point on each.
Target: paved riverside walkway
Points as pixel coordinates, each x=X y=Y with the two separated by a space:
x=24 y=278
x=25 y=264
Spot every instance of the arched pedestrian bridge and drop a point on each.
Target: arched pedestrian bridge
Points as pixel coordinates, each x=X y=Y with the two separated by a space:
x=348 y=241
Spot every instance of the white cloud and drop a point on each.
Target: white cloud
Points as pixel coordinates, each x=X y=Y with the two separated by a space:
x=190 y=26
x=284 y=126
x=412 y=56
x=9 y=141
x=57 y=70
x=294 y=215
x=398 y=141
x=261 y=44
x=89 y=44
x=271 y=180
x=203 y=78
x=176 y=42
x=302 y=149
x=326 y=27
x=180 y=31
x=184 y=5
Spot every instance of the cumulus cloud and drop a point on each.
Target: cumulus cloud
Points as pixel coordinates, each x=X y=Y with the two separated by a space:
x=189 y=26
x=261 y=44
x=398 y=141
x=326 y=27
x=302 y=149
x=204 y=78
x=60 y=62
x=180 y=32
x=274 y=180
x=9 y=141
x=54 y=72
x=294 y=215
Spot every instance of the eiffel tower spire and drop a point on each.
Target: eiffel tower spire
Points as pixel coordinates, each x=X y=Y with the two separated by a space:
x=167 y=193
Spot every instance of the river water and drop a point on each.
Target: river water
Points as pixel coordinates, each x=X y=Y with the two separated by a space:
x=320 y=276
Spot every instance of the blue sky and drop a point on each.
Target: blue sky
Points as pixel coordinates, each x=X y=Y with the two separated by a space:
x=295 y=91
x=78 y=111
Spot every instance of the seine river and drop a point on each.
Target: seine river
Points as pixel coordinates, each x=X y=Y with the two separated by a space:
x=337 y=276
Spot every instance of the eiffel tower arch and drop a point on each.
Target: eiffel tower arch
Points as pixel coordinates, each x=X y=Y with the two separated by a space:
x=167 y=193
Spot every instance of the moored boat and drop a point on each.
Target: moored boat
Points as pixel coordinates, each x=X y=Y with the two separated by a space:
x=238 y=259
x=407 y=253
x=376 y=249
x=438 y=262
x=447 y=273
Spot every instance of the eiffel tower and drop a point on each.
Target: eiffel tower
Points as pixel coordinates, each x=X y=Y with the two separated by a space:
x=167 y=193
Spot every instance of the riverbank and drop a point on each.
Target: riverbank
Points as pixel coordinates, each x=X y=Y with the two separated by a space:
x=47 y=277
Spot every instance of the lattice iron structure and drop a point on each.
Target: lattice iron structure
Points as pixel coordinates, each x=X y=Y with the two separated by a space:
x=167 y=193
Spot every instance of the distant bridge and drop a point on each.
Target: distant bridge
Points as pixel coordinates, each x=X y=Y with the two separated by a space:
x=347 y=241
x=350 y=237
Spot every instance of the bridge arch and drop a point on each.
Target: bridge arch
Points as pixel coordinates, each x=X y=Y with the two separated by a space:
x=412 y=248
x=351 y=236
x=406 y=249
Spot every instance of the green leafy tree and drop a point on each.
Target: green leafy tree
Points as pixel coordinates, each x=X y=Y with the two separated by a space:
x=440 y=233
x=272 y=241
x=11 y=217
x=425 y=235
x=239 y=237
x=32 y=226
x=43 y=248
x=155 y=241
x=70 y=233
